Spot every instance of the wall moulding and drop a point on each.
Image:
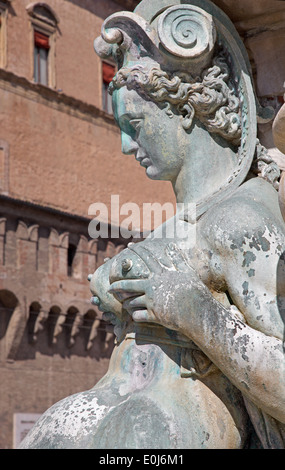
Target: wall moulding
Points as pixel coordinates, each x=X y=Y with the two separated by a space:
x=43 y=12
x=54 y=99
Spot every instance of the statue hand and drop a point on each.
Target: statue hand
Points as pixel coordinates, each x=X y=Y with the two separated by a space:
x=160 y=298
x=99 y=286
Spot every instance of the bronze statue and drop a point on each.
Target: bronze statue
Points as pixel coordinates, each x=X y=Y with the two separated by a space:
x=199 y=318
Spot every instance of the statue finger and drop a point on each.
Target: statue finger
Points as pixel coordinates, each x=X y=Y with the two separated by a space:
x=143 y=315
x=135 y=302
x=148 y=257
x=96 y=301
x=127 y=288
x=109 y=304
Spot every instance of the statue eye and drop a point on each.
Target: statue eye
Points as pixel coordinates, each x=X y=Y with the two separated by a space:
x=135 y=123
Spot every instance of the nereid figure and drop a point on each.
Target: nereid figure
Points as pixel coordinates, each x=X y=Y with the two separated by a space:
x=199 y=319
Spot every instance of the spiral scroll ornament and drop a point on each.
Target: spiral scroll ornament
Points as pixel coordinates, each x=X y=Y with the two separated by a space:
x=187 y=31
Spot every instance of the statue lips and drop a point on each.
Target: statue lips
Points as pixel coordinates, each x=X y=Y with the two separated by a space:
x=144 y=160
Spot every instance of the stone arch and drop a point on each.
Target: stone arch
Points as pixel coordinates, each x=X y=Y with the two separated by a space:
x=43 y=12
x=8 y=303
x=13 y=321
x=35 y=306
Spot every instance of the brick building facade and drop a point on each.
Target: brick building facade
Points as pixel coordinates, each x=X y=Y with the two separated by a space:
x=59 y=153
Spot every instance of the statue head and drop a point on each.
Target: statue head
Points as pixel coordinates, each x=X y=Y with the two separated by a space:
x=211 y=97
x=184 y=87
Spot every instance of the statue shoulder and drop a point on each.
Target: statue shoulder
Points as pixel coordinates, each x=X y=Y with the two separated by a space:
x=252 y=210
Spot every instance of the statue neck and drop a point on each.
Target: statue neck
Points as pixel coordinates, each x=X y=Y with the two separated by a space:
x=208 y=163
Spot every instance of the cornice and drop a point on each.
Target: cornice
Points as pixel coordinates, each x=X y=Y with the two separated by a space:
x=57 y=100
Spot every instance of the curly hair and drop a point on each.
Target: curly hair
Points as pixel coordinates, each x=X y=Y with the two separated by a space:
x=212 y=98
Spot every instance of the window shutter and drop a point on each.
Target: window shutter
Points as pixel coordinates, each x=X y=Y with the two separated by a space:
x=41 y=40
x=108 y=72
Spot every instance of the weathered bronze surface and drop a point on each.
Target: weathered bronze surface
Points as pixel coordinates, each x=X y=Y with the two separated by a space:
x=199 y=319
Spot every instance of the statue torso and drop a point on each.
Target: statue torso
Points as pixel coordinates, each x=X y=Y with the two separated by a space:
x=161 y=391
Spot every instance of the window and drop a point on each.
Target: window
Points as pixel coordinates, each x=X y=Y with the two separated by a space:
x=43 y=29
x=41 y=51
x=108 y=72
x=70 y=258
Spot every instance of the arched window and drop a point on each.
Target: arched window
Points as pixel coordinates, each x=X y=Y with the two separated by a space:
x=44 y=23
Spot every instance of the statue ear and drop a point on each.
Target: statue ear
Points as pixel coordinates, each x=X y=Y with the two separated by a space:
x=188 y=113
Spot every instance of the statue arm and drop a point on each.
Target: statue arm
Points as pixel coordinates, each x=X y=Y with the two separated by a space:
x=252 y=360
x=252 y=263
x=247 y=348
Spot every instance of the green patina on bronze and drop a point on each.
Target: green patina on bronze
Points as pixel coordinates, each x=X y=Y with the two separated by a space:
x=199 y=318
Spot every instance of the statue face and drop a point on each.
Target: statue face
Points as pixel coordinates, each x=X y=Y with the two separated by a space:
x=158 y=142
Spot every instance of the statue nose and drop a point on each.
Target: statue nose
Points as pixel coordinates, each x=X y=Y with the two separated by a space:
x=129 y=146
